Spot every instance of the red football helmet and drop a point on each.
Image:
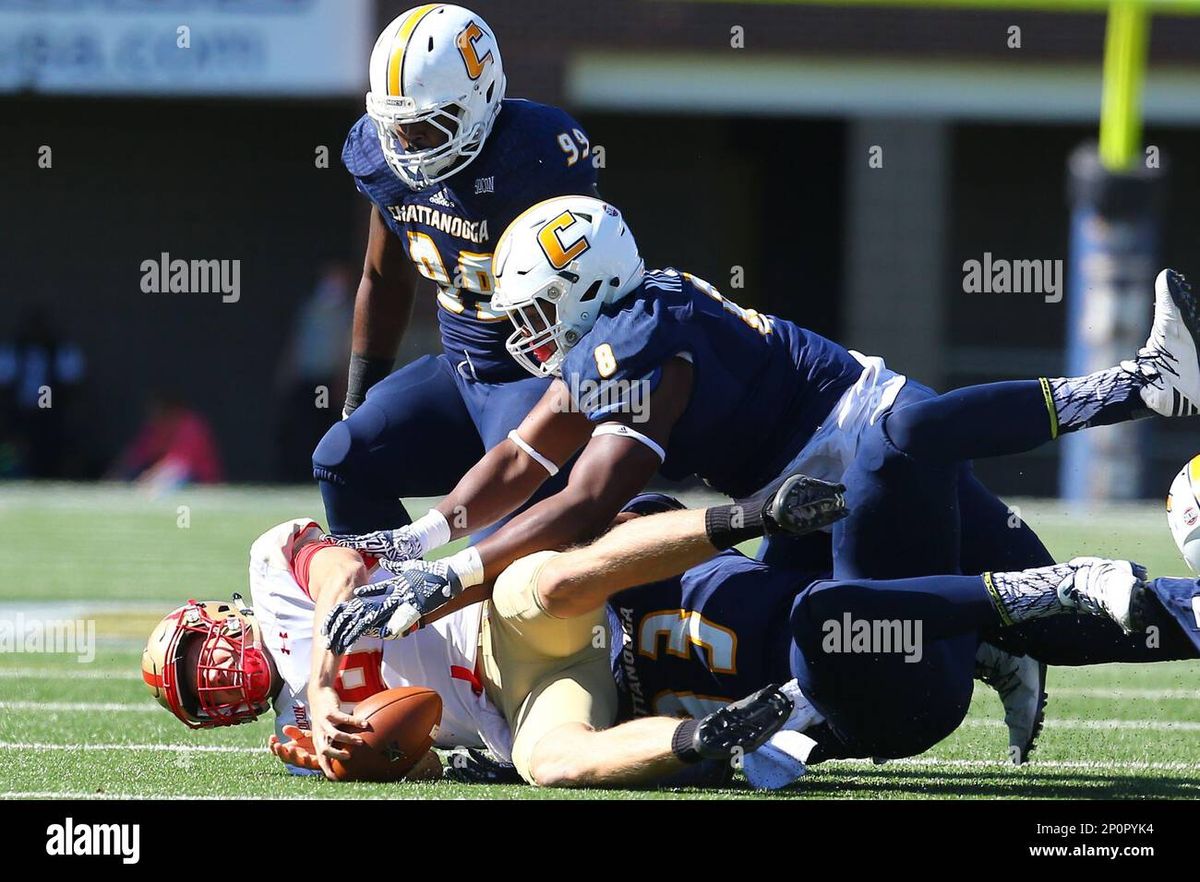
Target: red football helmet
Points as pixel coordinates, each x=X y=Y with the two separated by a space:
x=230 y=660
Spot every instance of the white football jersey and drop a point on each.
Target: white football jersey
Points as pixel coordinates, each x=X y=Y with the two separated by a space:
x=440 y=656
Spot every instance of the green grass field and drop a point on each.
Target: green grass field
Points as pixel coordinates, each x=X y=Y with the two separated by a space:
x=120 y=559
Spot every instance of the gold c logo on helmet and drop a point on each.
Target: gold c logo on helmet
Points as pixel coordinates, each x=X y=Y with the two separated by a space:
x=466 y=47
x=556 y=252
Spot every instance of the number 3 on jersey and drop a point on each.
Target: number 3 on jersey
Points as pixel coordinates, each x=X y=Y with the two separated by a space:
x=679 y=631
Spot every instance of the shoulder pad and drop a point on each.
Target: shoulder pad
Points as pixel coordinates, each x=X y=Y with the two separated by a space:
x=361 y=153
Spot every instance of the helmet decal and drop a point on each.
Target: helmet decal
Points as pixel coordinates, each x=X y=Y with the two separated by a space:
x=470 y=55
x=558 y=253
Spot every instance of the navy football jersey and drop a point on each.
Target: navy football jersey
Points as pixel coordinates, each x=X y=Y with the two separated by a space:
x=534 y=152
x=688 y=645
x=761 y=385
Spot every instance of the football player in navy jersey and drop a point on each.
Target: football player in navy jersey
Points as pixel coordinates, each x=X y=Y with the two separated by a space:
x=687 y=645
x=447 y=162
x=902 y=528
x=656 y=371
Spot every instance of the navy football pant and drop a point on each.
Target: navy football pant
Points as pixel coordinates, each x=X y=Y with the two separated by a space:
x=904 y=491
x=988 y=535
x=900 y=702
x=416 y=434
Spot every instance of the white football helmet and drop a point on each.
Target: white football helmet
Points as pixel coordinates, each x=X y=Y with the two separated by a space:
x=440 y=64
x=555 y=266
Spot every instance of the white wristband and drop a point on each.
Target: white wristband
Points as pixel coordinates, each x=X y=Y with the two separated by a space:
x=468 y=566
x=432 y=530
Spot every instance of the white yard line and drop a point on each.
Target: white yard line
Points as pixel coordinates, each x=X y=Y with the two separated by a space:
x=1115 y=694
x=1052 y=723
x=1122 y=694
x=920 y=763
x=81 y=673
x=1068 y=723
x=96 y=706
x=162 y=748
x=1035 y=764
x=84 y=794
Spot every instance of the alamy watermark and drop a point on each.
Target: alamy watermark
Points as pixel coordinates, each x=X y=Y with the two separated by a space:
x=620 y=396
x=177 y=276
x=71 y=839
x=994 y=275
x=53 y=636
x=873 y=637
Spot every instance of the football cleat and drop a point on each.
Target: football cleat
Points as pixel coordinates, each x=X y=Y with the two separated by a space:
x=470 y=766
x=1020 y=681
x=798 y=504
x=1104 y=588
x=743 y=725
x=1169 y=362
x=803 y=505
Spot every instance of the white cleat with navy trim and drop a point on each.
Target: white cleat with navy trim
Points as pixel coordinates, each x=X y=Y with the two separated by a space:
x=1020 y=681
x=1103 y=588
x=1170 y=361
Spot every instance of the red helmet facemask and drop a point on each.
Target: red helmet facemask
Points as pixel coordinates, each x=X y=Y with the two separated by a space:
x=230 y=660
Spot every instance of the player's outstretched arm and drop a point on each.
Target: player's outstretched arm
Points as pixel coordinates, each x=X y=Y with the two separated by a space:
x=512 y=471
x=612 y=469
x=495 y=486
x=382 y=309
x=333 y=575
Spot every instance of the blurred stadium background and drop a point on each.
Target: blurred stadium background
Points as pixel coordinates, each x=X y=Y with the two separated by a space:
x=725 y=159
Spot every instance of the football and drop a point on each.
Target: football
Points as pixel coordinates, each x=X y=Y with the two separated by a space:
x=402 y=724
x=1183 y=512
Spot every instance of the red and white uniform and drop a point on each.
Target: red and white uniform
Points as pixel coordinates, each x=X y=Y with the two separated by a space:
x=441 y=656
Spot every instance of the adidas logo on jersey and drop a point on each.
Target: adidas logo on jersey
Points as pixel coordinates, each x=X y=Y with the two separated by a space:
x=440 y=198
